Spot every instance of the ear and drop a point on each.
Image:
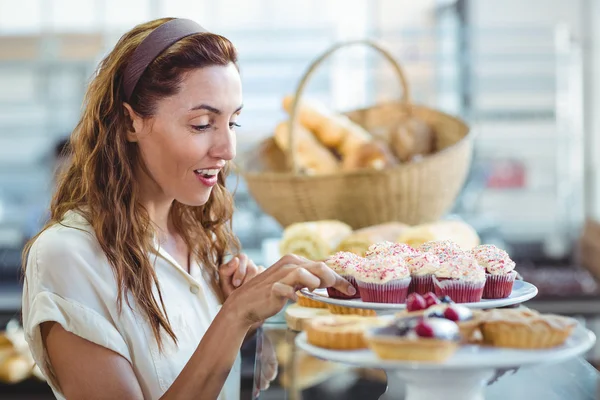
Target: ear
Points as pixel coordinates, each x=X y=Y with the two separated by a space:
x=136 y=127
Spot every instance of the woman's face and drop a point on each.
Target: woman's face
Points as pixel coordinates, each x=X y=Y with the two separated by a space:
x=188 y=141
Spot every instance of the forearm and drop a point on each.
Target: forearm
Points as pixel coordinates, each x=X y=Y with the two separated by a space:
x=208 y=368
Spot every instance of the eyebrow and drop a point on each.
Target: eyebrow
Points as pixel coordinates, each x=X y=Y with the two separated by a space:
x=212 y=109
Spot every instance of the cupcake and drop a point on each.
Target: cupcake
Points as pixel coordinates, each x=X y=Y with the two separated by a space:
x=340 y=332
x=344 y=263
x=422 y=266
x=383 y=279
x=383 y=249
x=524 y=329
x=460 y=278
x=499 y=271
x=443 y=249
x=415 y=339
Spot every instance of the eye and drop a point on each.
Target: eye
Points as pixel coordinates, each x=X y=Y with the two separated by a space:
x=234 y=125
x=201 y=128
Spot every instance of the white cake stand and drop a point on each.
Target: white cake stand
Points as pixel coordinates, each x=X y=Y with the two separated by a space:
x=522 y=291
x=463 y=376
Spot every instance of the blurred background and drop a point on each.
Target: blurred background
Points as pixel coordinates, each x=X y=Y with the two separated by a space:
x=523 y=74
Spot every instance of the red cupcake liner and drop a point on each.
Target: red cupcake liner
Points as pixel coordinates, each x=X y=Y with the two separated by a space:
x=457 y=290
x=498 y=286
x=392 y=292
x=421 y=284
x=336 y=294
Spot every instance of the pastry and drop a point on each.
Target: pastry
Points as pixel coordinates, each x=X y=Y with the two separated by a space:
x=371 y=155
x=304 y=301
x=312 y=157
x=15 y=368
x=430 y=306
x=415 y=339
x=341 y=310
x=314 y=240
x=413 y=137
x=389 y=249
x=344 y=264
x=499 y=271
x=296 y=316
x=422 y=267
x=335 y=131
x=360 y=240
x=383 y=279
x=459 y=232
x=460 y=278
x=340 y=332
x=525 y=329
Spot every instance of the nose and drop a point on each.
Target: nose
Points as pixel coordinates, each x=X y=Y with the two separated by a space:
x=224 y=145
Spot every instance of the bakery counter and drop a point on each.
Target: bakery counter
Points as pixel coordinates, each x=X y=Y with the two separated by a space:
x=301 y=376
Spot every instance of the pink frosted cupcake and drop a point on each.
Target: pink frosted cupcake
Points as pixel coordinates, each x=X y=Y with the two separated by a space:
x=422 y=267
x=344 y=263
x=500 y=275
x=384 y=249
x=383 y=279
x=461 y=278
x=444 y=249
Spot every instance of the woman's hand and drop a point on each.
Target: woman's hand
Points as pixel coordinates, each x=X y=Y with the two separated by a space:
x=266 y=294
x=239 y=270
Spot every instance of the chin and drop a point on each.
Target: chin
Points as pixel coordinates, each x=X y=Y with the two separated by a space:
x=198 y=200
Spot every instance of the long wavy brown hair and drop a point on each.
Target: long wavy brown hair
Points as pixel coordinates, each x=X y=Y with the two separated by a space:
x=100 y=181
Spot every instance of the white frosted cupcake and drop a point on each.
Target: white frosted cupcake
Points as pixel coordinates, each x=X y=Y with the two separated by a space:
x=500 y=274
x=383 y=279
x=344 y=264
x=384 y=249
x=443 y=249
x=422 y=267
x=461 y=278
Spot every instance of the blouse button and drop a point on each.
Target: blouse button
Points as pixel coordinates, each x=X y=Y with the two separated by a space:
x=194 y=289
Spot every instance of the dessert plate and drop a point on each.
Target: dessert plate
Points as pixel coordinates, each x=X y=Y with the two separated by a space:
x=522 y=291
x=466 y=357
x=462 y=377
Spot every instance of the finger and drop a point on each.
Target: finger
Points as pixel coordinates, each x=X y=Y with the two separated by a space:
x=289 y=259
x=281 y=290
x=300 y=277
x=240 y=272
x=251 y=271
x=227 y=269
x=329 y=278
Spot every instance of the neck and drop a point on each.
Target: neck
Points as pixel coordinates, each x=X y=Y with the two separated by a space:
x=157 y=204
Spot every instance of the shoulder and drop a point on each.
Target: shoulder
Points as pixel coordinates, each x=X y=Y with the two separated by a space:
x=69 y=247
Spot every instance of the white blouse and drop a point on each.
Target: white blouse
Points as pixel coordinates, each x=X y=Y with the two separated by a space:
x=69 y=280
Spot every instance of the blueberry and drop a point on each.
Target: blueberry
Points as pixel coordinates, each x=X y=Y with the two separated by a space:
x=446 y=299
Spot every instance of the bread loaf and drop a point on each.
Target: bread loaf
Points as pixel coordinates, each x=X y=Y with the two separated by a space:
x=335 y=131
x=411 y=138
x=312 y=157
x=313 y=240
x=459 y=232
x=372 y=155
x=360 y=240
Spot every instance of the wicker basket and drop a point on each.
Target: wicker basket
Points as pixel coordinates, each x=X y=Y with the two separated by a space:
x=413 y=193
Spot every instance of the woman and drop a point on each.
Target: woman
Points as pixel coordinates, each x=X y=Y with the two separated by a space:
x=126 y=292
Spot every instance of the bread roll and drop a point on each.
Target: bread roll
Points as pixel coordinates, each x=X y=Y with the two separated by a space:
x=459 y=232
x=314 y=240
x=373 y=155
x=411 y=138
x=360 y=240
x=15 y=369
x=334 y=130
x=312 y=157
